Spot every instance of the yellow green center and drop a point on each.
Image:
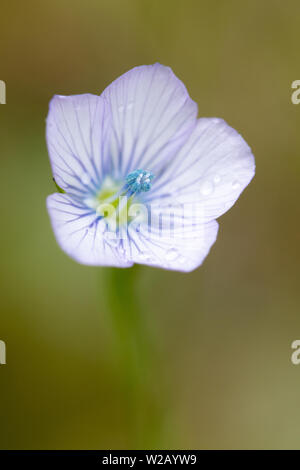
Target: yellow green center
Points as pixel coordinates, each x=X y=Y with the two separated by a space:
x=115 y=207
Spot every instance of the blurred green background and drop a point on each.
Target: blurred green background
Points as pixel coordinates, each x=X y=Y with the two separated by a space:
x=222 y=335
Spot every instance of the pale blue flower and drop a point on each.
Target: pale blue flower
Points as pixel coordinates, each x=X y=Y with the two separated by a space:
x=143 y=179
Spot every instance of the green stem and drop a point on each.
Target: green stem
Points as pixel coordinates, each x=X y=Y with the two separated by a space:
x=135 y=354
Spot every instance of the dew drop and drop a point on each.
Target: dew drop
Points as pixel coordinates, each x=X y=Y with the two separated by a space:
x=144 y=256
x=217 y=179
x=206 y=188
x=236 y=184
x=172 y=254
x=181 y=260
x=122 y=252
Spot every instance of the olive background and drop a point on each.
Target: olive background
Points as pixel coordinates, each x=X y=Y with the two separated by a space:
x=222 y=334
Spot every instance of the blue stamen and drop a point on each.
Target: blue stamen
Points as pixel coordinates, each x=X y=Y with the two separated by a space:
x=138 y=181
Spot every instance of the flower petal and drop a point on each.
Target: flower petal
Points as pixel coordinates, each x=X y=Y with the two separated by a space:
x=152 y=116
x=79 y=233
x=177 y=249
x=211 y=170
x=77 y=128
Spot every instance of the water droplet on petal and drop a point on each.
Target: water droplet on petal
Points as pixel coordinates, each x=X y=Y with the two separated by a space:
x=217 y=179
x=236 y=184
x=144 y=256
x=122 y=252
x=172 y=254
x=206 y=188
x=181 y=260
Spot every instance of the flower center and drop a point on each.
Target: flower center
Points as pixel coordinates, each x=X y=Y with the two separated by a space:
x=114 y=202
